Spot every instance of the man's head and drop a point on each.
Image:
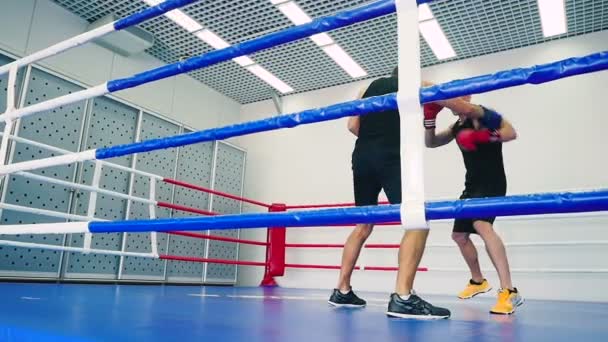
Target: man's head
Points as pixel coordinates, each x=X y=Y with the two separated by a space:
x=466 y=98
x=395 y=72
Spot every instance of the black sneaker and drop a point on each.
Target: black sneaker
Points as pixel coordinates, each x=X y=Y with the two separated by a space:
x=414 y=308
x=349 y=300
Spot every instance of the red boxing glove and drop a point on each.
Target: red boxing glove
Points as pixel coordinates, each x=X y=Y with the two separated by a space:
x=430 y=114
x=468 y=139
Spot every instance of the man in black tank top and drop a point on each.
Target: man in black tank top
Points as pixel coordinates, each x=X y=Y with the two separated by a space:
x=376 y=165
x=480 y=132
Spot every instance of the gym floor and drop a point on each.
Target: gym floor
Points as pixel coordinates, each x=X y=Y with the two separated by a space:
x=88 y=312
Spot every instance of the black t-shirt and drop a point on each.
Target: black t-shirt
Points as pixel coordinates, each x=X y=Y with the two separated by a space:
x=485 y=168
x=381 y=129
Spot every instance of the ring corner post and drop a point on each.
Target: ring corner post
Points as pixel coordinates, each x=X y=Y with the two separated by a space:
x=275 y=251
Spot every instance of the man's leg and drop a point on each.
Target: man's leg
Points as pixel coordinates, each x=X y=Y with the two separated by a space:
x=496 y=252
x=461 y=235
x=367 y=187
x=469 y=252
x=350 y=254
x=410 y=254
x=405 y=303
x=508 y=297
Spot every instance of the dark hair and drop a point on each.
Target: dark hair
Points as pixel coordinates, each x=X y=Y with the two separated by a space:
x=395 y=72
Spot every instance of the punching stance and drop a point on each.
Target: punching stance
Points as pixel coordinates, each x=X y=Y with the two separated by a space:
x=480 y=132
x=376 y=165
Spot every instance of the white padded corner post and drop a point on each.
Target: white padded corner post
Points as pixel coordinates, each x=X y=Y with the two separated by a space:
x=412 y=133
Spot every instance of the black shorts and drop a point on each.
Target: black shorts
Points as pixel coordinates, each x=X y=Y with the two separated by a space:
x=466 y=225
x=373 y=171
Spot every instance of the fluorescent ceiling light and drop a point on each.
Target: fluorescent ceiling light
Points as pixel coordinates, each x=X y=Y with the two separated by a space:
x=218 y=43
x=297 y=16
x=179 y=17
x=424 y=13
x=183 y=20
x=434 y=36
x=552 y=17
x=292 y=11
x=212 y=39
x=344 y=60
x=322 y=39
x=243 y=61
x=269 y=78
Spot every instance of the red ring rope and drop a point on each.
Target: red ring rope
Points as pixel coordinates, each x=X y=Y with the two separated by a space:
x=184 y=208
x=219 y=238
x=215 y=261
x=214 y=192
x=259 y=243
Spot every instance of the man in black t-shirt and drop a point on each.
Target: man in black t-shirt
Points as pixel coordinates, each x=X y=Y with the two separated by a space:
x=480 y=133
x=376 y=165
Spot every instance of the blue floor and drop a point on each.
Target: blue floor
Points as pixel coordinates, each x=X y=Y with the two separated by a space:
x=53 y=312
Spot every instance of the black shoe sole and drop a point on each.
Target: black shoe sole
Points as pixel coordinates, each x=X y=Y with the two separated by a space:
x=350 y=306
x=418 y=317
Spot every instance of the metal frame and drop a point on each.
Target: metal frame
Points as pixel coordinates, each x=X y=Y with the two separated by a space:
x=133 y=165
x=11 y=152
x=238 y=246
x=214 y=169
x=59 y=274
x=210 y=204
x=78 y=173
x=175 y=165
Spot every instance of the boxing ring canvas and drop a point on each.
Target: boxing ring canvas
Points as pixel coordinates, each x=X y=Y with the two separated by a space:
x=71 y=312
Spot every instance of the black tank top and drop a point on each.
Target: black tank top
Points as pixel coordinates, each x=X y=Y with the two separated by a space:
x=381 y=129
x=484 y=167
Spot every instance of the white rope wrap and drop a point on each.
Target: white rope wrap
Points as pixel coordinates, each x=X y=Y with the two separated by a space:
x=152 y=207
x=88 y=237
x=47 y=162
x=59 y=47
x=412 y=133
x=47 y=228
x=86 y=94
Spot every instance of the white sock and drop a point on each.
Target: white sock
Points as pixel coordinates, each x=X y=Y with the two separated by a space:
x=404 y=297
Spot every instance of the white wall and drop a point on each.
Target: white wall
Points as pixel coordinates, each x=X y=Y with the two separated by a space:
x=31 y=25
x=560 y=147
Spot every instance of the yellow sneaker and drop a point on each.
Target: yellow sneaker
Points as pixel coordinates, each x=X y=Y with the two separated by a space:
x=507 y=302
x=473 y=289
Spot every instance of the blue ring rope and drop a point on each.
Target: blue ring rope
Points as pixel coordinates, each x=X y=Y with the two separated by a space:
x=360 y=107
x=548 y=203
x=504 y=79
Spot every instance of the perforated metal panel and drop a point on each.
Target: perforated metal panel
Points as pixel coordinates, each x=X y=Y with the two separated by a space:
x=161 y=163
x=110 y=123
x=474 y=27
x=60 y=127
x=194 y=166
x=229 y=168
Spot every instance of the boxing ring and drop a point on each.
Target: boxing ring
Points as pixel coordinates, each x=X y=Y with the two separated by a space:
x=270 y=313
